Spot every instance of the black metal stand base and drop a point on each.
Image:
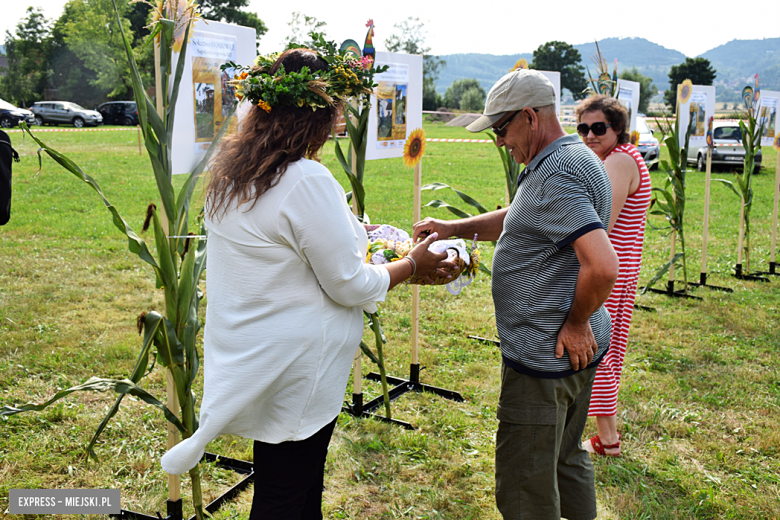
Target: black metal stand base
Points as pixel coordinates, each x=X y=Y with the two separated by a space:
x=402 y=386
x=644 y=308
x=174 y=507
x=751 y=277
x=674 y=294
x=703 y=283
x=772 y=270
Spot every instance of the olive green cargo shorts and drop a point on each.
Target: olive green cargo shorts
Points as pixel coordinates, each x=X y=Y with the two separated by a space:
x=542 y=472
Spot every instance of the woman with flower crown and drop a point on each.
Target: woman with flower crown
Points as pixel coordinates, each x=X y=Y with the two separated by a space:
x=287 y=282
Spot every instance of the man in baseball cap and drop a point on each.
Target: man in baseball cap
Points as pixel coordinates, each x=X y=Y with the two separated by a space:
x=553 y=269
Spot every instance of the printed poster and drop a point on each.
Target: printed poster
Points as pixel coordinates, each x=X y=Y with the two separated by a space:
x=628 y=96
x=767 y=115
x=391 y=106
x=695 y=114
x=211 y=92
x=396 y=105
x=698 y=115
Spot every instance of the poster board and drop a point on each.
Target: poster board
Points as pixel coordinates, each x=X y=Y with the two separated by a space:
x=767 y=115
x=555 y=79
x=396 y=106
x=205 y=96
x=697 y=112
x=628 y=96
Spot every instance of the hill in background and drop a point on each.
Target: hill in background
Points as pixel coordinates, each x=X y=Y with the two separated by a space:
x=735 y=62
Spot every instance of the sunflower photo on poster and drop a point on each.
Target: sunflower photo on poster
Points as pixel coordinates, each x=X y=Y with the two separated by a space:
x=698 y=108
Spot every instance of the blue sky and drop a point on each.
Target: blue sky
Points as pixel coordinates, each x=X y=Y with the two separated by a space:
x=505 y=26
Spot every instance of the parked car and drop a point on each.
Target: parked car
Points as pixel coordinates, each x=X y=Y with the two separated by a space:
x=728 y=151
x=648 y=145
x=119 y=113
x=65 y=112
x=10 y=116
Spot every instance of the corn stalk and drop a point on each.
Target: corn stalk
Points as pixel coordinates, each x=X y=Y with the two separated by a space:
x=742 y=185
x=669 y=201
x=178 y=262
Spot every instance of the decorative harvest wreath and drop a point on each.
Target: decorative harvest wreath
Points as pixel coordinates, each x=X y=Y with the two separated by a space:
x=346 y=76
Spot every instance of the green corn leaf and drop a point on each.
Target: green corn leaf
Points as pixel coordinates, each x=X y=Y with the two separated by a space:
x=167 y=267
x=134 y=243
x=187 y=289
x=96 y=384
x=170 y=351
x=729 y=185
x=465 y=198
x=662 y=271
x=171 y=112
x=452 y=209
x=482 y=267
x=369 y=353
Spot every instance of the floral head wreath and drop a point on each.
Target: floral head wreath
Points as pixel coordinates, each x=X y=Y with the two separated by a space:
x=345 y=76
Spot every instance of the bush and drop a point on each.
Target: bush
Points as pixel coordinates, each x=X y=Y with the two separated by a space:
x=473 y=100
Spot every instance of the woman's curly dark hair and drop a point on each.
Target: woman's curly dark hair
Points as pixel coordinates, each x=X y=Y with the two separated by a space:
x=612 y=109
x=252 y=161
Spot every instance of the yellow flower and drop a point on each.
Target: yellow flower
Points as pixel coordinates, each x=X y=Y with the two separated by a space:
x=684 y=91
x=634 y=139
x=776 y=143
x=262 y=104
x=522 y=63
x=301 y=102
x=414 y=148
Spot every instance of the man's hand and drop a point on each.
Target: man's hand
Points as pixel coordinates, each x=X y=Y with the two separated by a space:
x=428 y=226
x=579 y=342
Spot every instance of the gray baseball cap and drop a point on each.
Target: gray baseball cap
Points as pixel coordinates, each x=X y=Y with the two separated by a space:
x=519 y=89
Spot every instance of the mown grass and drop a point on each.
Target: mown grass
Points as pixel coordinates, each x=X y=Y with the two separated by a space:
x=698 y=406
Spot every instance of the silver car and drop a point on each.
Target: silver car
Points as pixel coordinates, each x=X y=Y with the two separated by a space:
x=65 y=112
x=728 y=150
x=648 y=144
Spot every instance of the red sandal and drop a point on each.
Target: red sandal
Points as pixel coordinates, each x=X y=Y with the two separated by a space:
x=601 y=448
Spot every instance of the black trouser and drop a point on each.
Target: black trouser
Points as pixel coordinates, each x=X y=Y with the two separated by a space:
x=288 y=478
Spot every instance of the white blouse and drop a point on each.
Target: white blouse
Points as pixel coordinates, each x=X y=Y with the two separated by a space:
x=287 y=282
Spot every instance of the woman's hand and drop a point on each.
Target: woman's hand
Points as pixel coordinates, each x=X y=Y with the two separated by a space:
x=427 y=263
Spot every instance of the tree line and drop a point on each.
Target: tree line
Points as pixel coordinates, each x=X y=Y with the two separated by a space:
x=80 y=56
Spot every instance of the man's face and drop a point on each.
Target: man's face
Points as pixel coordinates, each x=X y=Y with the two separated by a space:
x=518 y=134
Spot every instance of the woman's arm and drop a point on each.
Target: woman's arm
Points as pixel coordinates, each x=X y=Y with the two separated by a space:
x=624 y=178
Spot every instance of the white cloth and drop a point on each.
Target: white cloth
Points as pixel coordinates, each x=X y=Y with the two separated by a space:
x=286 y=281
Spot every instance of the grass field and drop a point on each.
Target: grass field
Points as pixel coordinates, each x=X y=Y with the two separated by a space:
x=699 y=406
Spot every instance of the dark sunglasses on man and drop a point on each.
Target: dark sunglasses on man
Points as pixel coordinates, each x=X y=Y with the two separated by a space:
x=500 y=130
x=598 y=129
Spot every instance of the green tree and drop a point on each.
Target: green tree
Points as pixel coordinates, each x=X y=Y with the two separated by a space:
x=646 y=87
x=232 y=11
x=92 y=33
x=562 y=57
x=698 y=70
x=473 y=100
x=28 y=59
x=300 y=27
x=411 y=40
x=455 y=92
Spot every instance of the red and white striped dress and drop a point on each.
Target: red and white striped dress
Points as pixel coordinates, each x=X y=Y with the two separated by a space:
x=627 y=236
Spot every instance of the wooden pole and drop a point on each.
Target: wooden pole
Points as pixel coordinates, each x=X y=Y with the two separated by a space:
x=706 y=211
x=741 y=229
x=774 y=212
x=357 y=364
x=138 y=127
x=174 y=481
x=416 y=288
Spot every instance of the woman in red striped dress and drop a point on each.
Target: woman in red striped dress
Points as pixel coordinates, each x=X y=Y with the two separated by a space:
x=603 y=125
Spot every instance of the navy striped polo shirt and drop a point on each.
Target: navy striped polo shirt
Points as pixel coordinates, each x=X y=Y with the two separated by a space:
x=562 y=194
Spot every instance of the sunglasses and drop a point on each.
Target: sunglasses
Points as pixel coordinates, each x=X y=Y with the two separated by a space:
x=500 y=130
x=598 y=129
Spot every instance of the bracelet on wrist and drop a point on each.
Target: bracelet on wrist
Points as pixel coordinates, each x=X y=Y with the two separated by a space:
x=414 y=265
